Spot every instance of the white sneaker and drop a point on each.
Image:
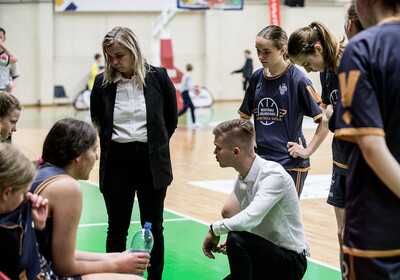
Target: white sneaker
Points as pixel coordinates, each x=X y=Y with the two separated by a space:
x=196 y=125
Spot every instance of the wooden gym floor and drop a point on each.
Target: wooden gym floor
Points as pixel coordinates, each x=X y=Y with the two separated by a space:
x=193 y=160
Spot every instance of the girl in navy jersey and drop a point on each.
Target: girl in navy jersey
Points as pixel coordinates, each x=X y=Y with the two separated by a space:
x=69 y=153
x=367 y=114
x=279 y=95
x=317 y=50
x=19 y=211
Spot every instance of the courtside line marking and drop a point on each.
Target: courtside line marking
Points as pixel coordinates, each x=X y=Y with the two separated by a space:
x=207 y=224
x=132 y=222
x=186 y=217
x=324 y=264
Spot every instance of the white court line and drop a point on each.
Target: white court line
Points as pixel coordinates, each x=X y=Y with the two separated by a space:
x=324 y=264
x=132 y=222
x=315 y=186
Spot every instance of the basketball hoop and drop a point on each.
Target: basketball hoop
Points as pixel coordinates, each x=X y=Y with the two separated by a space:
x=216 y=4
x=210 y=4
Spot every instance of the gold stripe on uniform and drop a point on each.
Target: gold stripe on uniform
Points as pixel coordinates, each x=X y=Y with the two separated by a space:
x=298 y=181
x=351 y=270
x=348 y=134
x=341 y=165
x=299 y=169
x=244 y=115
x=371 y=253
x=314 y=94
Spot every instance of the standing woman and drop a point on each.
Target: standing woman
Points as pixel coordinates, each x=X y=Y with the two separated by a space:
x=133 y=107
x=367 y=114
x=316 y=49
x=279 y=95
x=10 y=111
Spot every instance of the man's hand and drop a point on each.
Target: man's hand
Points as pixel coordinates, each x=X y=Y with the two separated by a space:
x=222 y=247
x=210 y=244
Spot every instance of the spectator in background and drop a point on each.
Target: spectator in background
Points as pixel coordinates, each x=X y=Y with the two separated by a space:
x=96 y=69
x=6 y=55
x=247 y=69
x=8 y=73
x=186 y=86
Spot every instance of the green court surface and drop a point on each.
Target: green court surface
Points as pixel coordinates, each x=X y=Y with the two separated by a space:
x=184 y=258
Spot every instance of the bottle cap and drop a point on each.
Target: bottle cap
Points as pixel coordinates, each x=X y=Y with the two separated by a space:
x=147 y=225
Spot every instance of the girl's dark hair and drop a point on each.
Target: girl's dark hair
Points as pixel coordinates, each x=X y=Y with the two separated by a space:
x=353 y=16
x=68 y=139
x=276 y=34
x=394 y=5
x=8 y=103
x=303 y=40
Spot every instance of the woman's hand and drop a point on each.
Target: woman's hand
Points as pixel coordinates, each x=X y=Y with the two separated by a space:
x=297 y=149
x=136 y=263
x=39 y=208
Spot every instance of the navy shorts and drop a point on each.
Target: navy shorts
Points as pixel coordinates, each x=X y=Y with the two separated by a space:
x=371 y=268
x=299 y=177
x=337 y=191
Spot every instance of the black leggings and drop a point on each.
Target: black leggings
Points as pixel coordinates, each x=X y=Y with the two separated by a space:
x=128 y=172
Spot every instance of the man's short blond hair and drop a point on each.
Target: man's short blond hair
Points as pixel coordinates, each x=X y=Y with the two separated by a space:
x=237 y=133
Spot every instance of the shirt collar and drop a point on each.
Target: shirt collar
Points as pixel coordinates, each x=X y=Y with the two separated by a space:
x=119 y=77
x=252 y=175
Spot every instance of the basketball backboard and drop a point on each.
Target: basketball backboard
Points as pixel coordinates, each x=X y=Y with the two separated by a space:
x=211 y=4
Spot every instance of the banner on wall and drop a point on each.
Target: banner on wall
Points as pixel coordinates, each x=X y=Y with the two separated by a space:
x=111 y=6
x=274 y=12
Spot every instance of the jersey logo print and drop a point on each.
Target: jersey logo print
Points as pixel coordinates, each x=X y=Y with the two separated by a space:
x=268 y=111
x=258 y=88
x=283 y=88
x=347 y=89
x=328 y=79
x=333 y=97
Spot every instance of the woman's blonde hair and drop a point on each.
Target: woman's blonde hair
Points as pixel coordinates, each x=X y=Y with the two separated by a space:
x=16 y=170
x=126 y=38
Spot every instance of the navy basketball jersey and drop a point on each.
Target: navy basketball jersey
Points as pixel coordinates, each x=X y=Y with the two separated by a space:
x=329 y=95
x=20 y=256
x=46 y=174
x=369 y=77
x=279 y=105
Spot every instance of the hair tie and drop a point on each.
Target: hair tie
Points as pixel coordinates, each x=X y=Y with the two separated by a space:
x=41 y=161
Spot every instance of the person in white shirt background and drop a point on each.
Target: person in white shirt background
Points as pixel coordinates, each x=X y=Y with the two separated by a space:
x=186 y=86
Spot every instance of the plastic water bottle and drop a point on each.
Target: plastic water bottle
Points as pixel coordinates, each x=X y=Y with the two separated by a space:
x=142 y=241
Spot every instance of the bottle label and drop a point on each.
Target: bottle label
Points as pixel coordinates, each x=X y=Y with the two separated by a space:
x=139 y=251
